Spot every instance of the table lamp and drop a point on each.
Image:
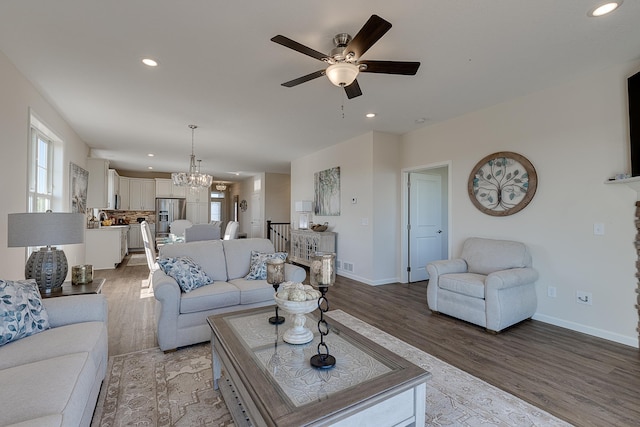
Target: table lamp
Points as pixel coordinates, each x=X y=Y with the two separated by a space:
x=48 y=266
x=303 y=208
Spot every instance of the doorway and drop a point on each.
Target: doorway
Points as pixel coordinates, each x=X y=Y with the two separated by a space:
x=425 y=219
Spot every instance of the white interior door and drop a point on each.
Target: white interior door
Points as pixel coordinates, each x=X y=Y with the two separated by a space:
x=425 y=220
x=256 y=216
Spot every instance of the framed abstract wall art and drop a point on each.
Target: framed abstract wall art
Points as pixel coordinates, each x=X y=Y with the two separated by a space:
x=327 y=192
x=78 y=184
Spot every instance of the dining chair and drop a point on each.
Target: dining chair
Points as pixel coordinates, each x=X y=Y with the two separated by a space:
x=197 y=232
x=149 y=246
x=178 y=226
x=231 y=232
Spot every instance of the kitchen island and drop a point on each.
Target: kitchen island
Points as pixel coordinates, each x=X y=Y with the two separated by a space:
x=106 y=247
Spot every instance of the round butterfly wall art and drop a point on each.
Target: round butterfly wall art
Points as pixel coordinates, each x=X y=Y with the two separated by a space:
x=502 y=183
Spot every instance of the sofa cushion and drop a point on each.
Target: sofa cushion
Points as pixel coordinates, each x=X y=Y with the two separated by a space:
x=470 y=284
x=185 y=272
x=254 y=291
x=484 y=256
x=208 y=254
x=58 y=385
x=258 y=267
x=21 y=311
x=237 y=253
x=218 y=295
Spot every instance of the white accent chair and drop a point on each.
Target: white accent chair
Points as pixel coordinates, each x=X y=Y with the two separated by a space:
x=198 y=232
x=231 y=232
x=178 y=226
x=492 y=284
x=149 y=246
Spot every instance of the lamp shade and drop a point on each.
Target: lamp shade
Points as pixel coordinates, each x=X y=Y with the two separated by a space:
x=45 y=229
x=304 y=206
x=342 y=73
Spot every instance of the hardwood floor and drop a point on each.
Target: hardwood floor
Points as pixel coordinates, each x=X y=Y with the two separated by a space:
x=584 y=380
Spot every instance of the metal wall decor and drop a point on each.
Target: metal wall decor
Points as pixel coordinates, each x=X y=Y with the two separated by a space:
x=502 y=183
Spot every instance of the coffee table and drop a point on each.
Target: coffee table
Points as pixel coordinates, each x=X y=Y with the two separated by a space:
x=268 y=382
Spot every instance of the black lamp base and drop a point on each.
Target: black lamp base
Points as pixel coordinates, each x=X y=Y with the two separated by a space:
x=276 y=320
x=323 y=361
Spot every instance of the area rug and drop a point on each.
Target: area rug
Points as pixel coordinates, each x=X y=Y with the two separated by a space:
x=137 y=259
x=150 y=388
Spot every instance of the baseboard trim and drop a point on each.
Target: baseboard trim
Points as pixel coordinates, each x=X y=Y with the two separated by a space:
x=600 y=333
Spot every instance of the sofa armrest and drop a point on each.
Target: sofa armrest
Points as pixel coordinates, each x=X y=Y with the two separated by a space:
x=448 y=266
x=510 y=278
x=167 y=293
x=76 y=309
x=165 y=289
x=294 y=273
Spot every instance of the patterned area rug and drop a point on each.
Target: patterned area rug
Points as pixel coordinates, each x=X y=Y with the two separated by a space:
x=150 y=388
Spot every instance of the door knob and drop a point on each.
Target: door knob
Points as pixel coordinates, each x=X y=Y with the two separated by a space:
x=439 y=231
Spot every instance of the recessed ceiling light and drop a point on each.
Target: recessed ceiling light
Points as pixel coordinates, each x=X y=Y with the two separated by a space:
x=370 y=115
x=420 y=120
x=150 y=167
x=150 y=62
x=604 y=8
x=150 y=155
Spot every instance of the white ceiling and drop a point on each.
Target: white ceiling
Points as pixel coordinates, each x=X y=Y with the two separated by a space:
x=219 y=69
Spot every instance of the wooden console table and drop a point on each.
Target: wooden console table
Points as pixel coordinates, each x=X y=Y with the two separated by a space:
x=305 y=243
x=69 y=289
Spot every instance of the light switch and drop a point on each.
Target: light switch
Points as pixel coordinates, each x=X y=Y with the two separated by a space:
x=365 y=221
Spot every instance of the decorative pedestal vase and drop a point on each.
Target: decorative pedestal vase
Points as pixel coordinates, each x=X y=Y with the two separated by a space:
x=299 y=333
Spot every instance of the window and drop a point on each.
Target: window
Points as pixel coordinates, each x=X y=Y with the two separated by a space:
x=40 y=172
x=217 y=201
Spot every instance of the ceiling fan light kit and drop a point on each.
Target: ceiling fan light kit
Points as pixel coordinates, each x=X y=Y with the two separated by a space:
x=344 y=62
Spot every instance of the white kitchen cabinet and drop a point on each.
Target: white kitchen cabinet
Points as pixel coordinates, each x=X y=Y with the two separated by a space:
x=106 y=247
x=98 y=181
x=142 y=194
x=124 y=193
x=198 y=213
x=166 y=188
x=113 y=187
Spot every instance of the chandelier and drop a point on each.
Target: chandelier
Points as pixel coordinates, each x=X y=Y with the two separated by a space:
x=221 y=186
x=194 y=178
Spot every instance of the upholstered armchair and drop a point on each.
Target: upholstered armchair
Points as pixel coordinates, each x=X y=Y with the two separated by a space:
x=492 y=284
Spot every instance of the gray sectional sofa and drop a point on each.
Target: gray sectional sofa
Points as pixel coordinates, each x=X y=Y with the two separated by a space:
x=53 y=378
x=181 y=317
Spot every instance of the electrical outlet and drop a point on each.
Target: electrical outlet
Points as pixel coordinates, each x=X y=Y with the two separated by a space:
x=583 y=297
x=551 y=291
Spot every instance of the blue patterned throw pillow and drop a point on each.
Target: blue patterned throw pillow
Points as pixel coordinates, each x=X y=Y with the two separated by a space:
x=21 y=310
x=187 y=273
x=258 y=268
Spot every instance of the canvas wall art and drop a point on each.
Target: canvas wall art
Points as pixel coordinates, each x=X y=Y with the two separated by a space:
x=79 y=182
x=327 y=192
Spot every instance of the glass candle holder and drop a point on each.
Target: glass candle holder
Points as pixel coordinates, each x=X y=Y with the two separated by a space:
x=322 y=275
x=275 y=276
x=323 y=269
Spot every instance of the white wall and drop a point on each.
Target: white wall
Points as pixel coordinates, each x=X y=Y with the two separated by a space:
x=576 y=137
x=277 y=197
x=18 y=98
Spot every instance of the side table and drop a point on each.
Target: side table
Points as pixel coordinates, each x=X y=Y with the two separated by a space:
x=68 y=289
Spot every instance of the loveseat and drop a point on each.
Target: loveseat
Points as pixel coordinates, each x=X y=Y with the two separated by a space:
x=53 y=378
x=491 y=284
x=181 y=317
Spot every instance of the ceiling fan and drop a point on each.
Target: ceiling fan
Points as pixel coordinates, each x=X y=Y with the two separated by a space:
x=344 y=60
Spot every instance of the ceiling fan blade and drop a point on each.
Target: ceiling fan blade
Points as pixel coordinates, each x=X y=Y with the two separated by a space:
x=353 y=90
x=296 y=82
x=390 y=67
x=291 y=44
x=368 y=35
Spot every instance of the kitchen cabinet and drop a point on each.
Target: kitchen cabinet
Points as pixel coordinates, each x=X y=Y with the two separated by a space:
x=124 y=193
x=198 y=205
x=166 y=188
x=106 y=247
x=97 y=186
x=142 y=194
x=113 y=187
x=305 y=243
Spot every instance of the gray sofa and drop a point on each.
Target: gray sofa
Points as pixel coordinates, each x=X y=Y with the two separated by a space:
x=53 y=378
x=181 y=318
x=492 y=284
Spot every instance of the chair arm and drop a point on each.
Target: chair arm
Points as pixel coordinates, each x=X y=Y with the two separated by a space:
x=448 y=266
x=76 y=309
x=510 y=278
x=294 y=273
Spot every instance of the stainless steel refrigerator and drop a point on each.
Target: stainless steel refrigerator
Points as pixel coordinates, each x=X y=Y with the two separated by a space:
x=167 y=211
